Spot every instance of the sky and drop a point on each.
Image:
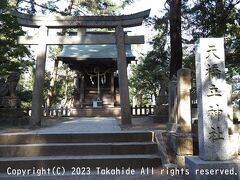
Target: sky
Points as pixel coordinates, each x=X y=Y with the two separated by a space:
x=140 y=5
x=136 y=6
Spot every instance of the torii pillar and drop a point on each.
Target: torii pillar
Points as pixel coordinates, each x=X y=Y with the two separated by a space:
x=37 y=98
x=123 y=77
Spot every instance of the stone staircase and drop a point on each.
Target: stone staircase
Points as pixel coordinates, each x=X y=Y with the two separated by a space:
x=68 y=151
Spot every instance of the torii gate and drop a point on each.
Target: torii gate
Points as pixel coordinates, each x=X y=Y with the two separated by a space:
x=45 y=22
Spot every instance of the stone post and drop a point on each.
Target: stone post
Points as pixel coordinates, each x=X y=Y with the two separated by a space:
x=37 y=98
x=232 y=128
x=180 y=137
x=172 y=102
x=82 y=89
x=112 y=89
x=76 y=91
x=123 y=77
x=215 y=149
x=184 y=100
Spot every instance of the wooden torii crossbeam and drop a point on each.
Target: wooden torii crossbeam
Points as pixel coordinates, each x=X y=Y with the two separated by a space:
x=80 y=39
x=81 y=21
x=42 y=40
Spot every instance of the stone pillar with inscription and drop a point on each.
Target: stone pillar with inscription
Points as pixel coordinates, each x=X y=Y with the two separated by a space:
x=212 y=100
x=215 y=150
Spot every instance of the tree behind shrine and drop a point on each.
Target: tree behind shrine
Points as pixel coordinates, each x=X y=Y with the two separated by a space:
x=12 y=56
x=213 y=18
x=216 y=18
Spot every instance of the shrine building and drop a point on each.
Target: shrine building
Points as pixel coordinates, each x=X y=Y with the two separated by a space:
x=96 y=84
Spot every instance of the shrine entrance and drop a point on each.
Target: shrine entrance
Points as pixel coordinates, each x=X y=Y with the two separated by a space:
x=96 y=86
x=119 y=38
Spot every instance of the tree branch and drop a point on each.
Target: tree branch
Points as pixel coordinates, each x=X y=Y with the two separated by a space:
x=45 y=7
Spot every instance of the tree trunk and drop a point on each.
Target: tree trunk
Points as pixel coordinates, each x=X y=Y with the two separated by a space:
x=220 y=25
x=175 y=37
x=52 y=89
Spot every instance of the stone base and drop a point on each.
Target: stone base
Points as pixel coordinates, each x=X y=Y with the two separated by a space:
x=209 y=170
x=179 y=145
x=182 y=143
x=13 y=116
x=180 y=160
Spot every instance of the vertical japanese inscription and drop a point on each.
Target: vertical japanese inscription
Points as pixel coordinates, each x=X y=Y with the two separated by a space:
x=215 y=112
x=212 y=101
x=215 y=134
x=214 y=74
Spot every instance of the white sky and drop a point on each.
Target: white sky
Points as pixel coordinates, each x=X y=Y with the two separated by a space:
x=140 y=5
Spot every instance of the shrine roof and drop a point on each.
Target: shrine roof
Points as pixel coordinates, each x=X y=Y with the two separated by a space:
x=88 y=52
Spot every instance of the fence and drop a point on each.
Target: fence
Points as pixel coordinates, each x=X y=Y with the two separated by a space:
x=142 y=110
x=57 y=112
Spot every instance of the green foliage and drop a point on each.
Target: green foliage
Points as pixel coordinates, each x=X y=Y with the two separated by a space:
x=75 y=7
x=25 y=97
x=24 y=89
x=55 y=91
x=11 y=54
x=215 y=18
x=54 y=51
x=149 y=75
x=200 y=19
x=101 y=7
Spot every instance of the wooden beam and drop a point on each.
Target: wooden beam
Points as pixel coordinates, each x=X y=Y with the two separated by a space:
x=83 y=39
x=81 y=21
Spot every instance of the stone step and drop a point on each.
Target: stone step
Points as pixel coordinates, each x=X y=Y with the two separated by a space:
x=27 y=138
x=29 y=151
x=70 y=162
x=76 y=149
